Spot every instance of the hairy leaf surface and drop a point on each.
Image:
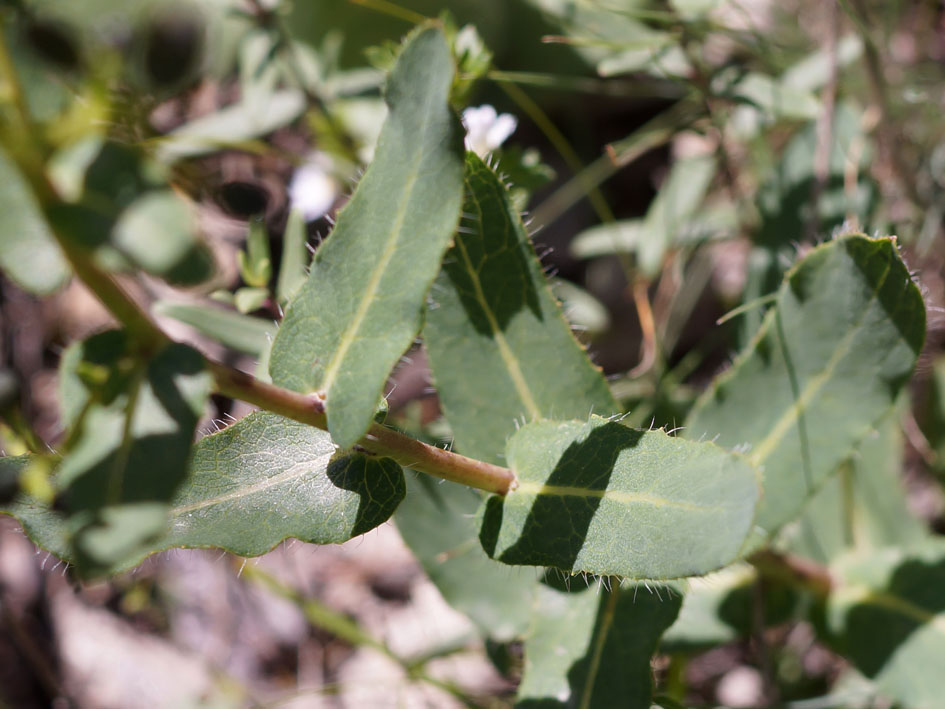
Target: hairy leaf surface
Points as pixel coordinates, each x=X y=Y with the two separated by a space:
x=29 y=254
x=260 y=481
x=267 y=478
x=361 y=307
x=591 y=648
x=493 y=325
x=602 y=498
x=889 y=615
x=824 y=369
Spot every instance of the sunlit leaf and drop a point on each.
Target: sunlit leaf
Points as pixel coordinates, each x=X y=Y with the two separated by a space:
x=602 y=498
x=247 y=334
x=361 y=307
x=825 y=368
x=493 y=317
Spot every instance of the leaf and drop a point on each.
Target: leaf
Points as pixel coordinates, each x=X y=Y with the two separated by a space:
x=29 y=254
x=776 y=98
x=602 y=498
x=492 y=325
x=230 y=126
x=592 y=648
x=630 y=235
x=248 y=488
x=241 y=332
x=931 y=414
x=721 y=607
x=678 y=198
x=157 y=232
x=132 y=422
x=888 y=612
x=864 y=505
x=46 y=528
x=295 y=258
x=437 y=521
x=266 y=478
x=361 y=307
x=825 y=368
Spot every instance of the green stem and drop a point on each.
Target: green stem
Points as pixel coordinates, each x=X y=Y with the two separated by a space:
x=561 y=144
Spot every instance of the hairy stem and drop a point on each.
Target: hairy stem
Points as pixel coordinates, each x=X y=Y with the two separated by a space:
x=304 y=408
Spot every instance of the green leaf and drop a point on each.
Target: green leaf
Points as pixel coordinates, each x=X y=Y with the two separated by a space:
x=864 y=505
x=29 y=254
x=132 y=423
x=248 y=488
x=591 y=648
x=721 y=607
x=295 y=258
x=361 y=307
x=825 y=368
x=631 y=235
x=45 y=527
x=602 y=498
x=266 y=478
x=931 y=414
x=678 y=198
x=231 y=126
x=255 y=262
x=247 y=300
x=493 y=320
x=888 y=613
x=241 y=332
x=437 y=521
x=157 y=232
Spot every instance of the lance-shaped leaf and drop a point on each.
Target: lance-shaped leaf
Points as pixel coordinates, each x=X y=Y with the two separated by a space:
x=29 y=254
x=249 y=487
x=592 y=648
x=361 y=307
x=132 y=424
x=493 y=319
x=824 y=369
x=241 y=332
x=888 y=612
x=602 y=498
x=437 y=520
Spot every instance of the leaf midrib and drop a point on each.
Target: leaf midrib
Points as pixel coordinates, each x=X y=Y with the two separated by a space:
x=530 y=487
x=299 y=470
x=814 y=384
x=349 y=335
x=505 y=351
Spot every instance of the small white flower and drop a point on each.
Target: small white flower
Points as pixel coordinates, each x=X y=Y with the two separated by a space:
x=312 y=190
x=485 y=130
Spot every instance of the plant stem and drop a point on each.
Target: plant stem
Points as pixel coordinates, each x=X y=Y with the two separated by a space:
x=305 y=408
